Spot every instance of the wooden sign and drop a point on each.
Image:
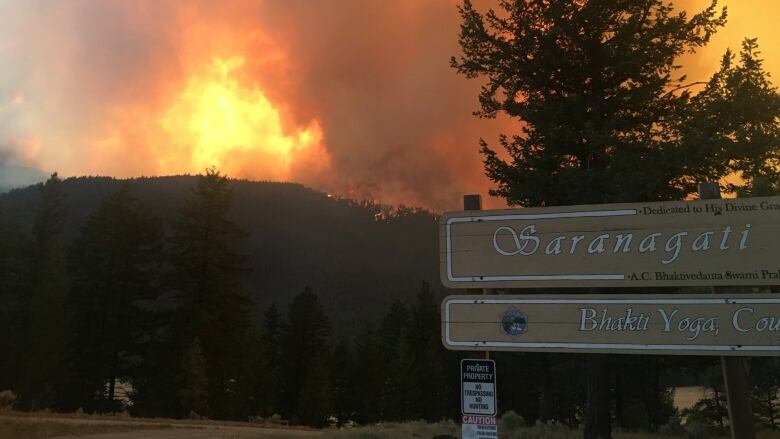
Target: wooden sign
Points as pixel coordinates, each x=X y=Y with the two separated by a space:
x=705 y=242
x=701 y=324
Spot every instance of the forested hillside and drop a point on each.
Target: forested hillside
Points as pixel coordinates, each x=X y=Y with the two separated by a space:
x=356 y=256
x=204 y=296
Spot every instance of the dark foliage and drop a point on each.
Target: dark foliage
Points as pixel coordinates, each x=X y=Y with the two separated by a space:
x=360 y=257
x=40 y=351
x=593 y=84
x=213 y=313
x=117 y=271
x=304 y=378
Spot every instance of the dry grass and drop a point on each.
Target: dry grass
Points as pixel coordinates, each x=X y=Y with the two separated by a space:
x=423 y=430
x=18 y=425
x=28 y=427
x=14 y=425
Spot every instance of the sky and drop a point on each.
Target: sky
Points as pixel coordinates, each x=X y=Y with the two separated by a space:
x=352 y=97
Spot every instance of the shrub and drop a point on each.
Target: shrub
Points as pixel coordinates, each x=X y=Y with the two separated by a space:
x=673 y=427
x=510 y=424
x=7 y=399
x=697 y=430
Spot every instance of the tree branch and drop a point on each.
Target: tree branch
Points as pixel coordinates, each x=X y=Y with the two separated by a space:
x=682 y=87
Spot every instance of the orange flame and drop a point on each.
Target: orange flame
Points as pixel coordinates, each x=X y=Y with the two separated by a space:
x=217 y=118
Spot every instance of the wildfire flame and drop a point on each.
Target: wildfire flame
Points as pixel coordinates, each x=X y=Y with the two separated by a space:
x=218 y=119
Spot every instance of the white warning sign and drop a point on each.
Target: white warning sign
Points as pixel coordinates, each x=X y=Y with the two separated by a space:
x=478 y=387
x=479 y=427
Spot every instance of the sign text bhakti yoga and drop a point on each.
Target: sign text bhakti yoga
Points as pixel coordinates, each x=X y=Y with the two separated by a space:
x=701 y=324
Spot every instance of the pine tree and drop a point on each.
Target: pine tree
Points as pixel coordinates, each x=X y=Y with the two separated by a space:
x=248 y=397
x=208 y=274
x=304 y=378
x=157 y=385
x=592 y=81
x=42 y=350
x=765 y=390
x=602 y=114
x=267 y=391
x=712 y=409
x=117 y=273
x=10 y=272
x=369 y=376
x=739 y=112
x=342 y=390
x=400 y=376
x=431 y=402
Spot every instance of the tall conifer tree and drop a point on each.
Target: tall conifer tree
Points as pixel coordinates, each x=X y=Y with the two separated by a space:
x=304 y=379
x=368 y=377
x=593 y=84
x=42 y=349
x=10 y=299
x=117 y=268
x=343 y=364
x=267 y=385
x=738 y=113
x=765 y=390
x=400 y=374
x=208 y=276
x=431 y=401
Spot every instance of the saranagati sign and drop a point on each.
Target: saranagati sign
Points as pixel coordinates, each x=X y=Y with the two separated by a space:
x=662 y=324
x=683 y=243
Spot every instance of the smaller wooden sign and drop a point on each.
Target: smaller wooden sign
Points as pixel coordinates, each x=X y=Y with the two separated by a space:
x=699 y=324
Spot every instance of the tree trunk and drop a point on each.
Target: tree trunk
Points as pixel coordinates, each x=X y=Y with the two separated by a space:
x=545 y=398
x=652 y=399
x=597 y=410
x=619 y=400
